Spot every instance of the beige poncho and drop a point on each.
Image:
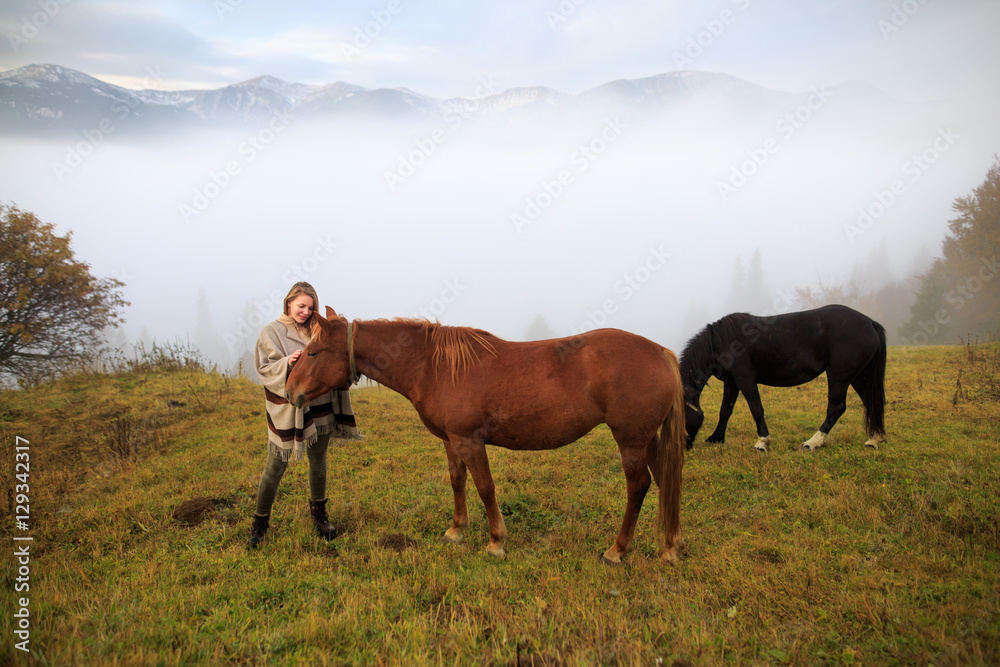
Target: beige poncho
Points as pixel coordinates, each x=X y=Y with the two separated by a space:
x=291 y=430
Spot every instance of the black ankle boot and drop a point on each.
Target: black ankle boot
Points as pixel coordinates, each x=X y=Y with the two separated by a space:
x=318 y=510
x=258 y=528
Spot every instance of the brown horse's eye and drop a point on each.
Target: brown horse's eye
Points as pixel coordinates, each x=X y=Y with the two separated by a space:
x=311 y=355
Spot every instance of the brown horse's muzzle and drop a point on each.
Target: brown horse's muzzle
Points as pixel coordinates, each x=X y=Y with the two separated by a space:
x=297 y=388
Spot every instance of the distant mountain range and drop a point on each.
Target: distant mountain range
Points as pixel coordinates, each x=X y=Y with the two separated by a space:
x=45 y=100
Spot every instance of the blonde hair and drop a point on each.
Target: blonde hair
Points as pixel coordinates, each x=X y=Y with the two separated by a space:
x=298 y=289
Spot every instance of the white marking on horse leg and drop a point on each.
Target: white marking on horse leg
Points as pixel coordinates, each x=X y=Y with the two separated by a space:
x=762 y=444
x=670 y=557
x=875 y=440
x=815 y=442
x=495 y=547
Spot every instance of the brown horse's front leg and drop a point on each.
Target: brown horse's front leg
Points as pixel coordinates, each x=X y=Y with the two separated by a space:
x=457 y=471
x=637 y=480
x=473 y=453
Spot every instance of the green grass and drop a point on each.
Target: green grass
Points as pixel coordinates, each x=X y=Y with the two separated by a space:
x=841 y=556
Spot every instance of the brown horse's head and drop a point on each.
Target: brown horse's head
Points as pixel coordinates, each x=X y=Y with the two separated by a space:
x=324 y=363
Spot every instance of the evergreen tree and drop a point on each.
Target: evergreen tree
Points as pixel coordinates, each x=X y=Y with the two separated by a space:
x=748 y=292
x=757 y=294
x=960 y=294
x=205 y=337
x=737 y=287
x=928 y=321
x=539 y=330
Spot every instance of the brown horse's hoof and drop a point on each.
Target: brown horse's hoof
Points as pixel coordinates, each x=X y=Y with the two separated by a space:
x=607 y=561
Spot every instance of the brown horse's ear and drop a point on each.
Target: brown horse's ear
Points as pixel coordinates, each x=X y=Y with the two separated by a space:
x=331 y=314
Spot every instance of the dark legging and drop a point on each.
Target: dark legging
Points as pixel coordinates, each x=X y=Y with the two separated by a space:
x=274 y=470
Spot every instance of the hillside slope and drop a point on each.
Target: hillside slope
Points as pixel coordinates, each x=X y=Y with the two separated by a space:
x=141 y=486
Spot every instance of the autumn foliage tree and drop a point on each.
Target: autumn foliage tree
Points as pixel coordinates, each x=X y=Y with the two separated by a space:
x=53 y=309
x=959 y=296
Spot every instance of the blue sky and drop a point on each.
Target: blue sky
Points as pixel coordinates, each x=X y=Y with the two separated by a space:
x=917 y=50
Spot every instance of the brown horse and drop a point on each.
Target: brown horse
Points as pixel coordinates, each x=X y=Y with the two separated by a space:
x=472 y=389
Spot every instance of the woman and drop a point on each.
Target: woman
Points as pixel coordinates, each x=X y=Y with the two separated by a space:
x=295 y=431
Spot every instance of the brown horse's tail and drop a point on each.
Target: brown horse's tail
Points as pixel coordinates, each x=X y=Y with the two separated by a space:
x=667 y=462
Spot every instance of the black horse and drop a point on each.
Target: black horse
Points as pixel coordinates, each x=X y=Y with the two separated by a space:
x=784 y=351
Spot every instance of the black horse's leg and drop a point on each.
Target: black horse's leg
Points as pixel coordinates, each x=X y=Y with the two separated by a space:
x=752 y=394
x=835 y=407
x=730 y=392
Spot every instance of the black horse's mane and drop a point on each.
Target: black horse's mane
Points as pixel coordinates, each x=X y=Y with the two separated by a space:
x=698 y=355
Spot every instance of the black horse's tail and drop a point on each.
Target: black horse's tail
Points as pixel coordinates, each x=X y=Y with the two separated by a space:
x=871 y=387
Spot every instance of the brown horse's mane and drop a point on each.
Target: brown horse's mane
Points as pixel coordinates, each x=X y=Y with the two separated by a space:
x=457 y=348
x=316 y=328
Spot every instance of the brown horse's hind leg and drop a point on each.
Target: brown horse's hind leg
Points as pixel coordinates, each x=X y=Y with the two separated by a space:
x=457 y=471
x=473 y=453
x=637 y=479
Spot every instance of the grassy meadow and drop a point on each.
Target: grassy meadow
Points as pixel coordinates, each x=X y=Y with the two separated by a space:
x=143 y=478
